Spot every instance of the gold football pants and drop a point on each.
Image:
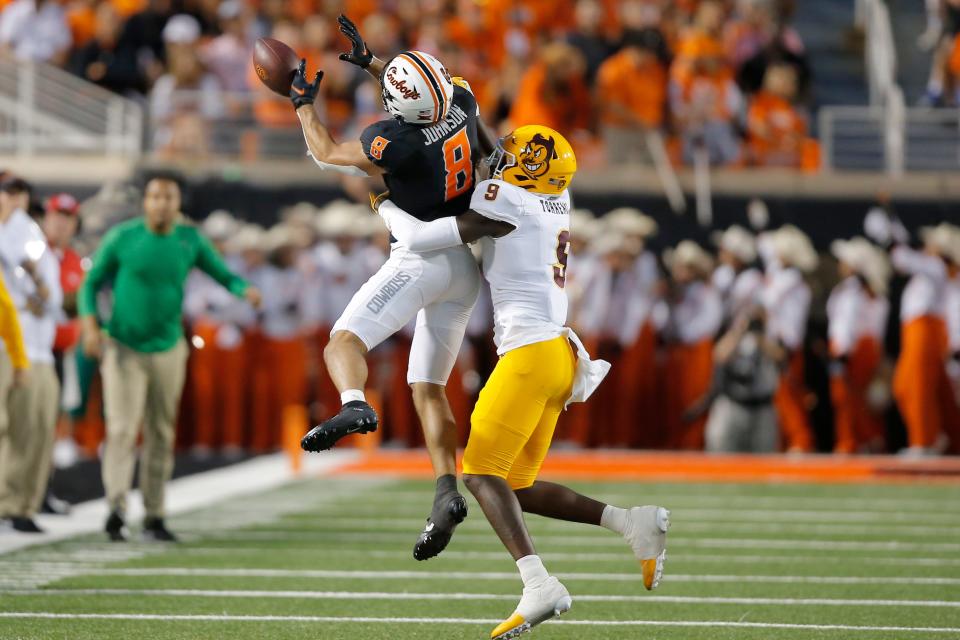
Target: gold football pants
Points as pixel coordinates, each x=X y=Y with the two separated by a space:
x=516 y=414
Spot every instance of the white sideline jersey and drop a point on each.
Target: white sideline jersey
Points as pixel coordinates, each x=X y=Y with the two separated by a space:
x=527 y=268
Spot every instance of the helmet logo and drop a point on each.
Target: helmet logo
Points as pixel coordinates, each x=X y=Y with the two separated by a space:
x=409 y=93
x=536 y=155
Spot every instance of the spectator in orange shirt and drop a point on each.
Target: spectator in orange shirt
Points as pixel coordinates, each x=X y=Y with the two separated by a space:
x=631 y=94
x=82 y=18
x=701 y=40
x=478 y=34
x=707 y=105
x=776 y=129
x=553 y=92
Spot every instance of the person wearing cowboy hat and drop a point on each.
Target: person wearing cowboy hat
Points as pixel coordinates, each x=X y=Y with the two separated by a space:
x=280 y=378
x=857 y=312
x=736 y=278
x=337 y=266
x=952 y=304
x=636 y=375
x=920 y=384
x=696 y=315
x=218 y=323
x=788 y=255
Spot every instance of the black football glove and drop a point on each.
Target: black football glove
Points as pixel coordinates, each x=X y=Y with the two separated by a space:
x=360 y=55
x=301 y=91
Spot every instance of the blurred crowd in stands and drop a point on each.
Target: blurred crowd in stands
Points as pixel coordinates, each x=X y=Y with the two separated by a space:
x=625 y=80
x=712 y=346
x=942 y=39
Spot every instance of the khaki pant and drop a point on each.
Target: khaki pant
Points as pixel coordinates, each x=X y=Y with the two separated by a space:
x=140 y=388
x=6 y=380
x=32 y=409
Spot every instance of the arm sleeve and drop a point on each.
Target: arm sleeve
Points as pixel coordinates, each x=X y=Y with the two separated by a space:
x=907 y=260
x=497 y=200
x=105 y=264
x=213 y=265
x=10 y=329
x=417 y=235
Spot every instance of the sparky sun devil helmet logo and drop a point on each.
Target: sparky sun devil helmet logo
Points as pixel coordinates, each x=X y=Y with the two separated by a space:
x=536 y=158
x=536 y=155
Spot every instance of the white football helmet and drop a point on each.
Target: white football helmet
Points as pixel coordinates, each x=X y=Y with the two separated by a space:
x=416 y=88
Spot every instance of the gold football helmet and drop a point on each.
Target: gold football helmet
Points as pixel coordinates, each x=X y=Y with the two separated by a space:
x=535 y=158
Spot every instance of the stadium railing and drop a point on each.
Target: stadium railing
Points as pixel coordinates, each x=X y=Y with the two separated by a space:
x=47 y=111
x=880 y=58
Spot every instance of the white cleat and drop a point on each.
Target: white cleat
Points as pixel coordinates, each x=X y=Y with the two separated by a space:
x=647 y=534
x=537 y=605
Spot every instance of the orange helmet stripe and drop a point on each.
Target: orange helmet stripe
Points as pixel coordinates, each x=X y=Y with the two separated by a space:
x=437 y=82
x=433 y=94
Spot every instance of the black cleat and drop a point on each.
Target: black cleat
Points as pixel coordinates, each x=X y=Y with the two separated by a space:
x=24 y=525
x=154 y=530
x=436 y=535
x=354 y=417
x=116 y=528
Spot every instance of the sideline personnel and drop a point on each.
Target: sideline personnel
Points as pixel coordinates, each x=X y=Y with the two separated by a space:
x=144 y=359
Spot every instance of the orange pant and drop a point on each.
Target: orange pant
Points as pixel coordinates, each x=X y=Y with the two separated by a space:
x=218 y=385
x=636 y=416
x=855 y=425
x=791 y=404
x=690 y=374
x=920 y=380
x=279 y=379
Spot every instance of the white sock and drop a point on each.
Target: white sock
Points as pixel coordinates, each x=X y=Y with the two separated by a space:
x=350 y=395
x=614 y=518
x=532 y=571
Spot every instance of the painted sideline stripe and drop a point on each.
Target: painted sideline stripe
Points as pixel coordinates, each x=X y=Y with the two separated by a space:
x=503 y=575
x=386 y=595
x=483 y=621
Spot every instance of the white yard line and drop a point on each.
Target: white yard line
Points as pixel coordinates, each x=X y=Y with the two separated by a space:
x=503 y=575
x=183 y=494
x=548 y=538
x=385 y=595
x=478 y=621
x=622 y=557
x=679 y=519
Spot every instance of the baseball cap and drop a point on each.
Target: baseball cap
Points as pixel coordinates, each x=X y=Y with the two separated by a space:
x=63 y=203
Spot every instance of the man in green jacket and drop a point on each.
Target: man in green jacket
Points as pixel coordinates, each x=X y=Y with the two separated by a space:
x=145 y=354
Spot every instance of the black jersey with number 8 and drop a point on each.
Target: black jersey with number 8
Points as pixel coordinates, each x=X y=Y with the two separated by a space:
x=429 y=169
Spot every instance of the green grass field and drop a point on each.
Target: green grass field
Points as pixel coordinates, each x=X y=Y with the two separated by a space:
x=331 y=559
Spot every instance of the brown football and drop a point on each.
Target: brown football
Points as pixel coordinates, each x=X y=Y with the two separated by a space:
x=275 y=64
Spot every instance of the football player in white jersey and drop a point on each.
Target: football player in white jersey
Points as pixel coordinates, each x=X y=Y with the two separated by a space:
x=522 y=217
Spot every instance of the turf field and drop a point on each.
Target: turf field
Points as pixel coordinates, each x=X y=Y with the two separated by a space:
x=330 y=559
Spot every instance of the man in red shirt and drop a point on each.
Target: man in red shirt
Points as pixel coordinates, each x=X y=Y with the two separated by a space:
x=61 y=220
